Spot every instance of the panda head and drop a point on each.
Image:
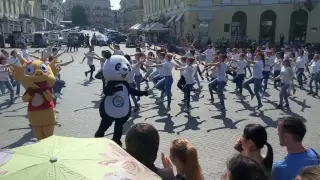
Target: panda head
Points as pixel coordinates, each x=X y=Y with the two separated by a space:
x=116 y=68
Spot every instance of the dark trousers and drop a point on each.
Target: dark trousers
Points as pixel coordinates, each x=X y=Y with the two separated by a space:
x=276 y=73
x=238 y=79
x=92 y=69
x=118 y=128
x=187 y=92
x=181 y=83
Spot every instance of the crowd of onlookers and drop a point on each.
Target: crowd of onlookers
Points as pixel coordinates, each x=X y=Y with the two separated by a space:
x=300 y=163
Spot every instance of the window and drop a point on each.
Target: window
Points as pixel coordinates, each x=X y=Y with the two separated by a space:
x=226 y=28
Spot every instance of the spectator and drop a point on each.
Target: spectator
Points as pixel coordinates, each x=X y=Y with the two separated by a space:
x=309 y=173
x=291 y=132
x=253 y=140
x=185 y=158
x=142 y=142
x=243 y=168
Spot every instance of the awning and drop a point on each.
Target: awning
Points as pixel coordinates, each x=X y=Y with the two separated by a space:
x=157 y=27
x=179 y=17
x=146 y=27
x=135 y=27
x=171 y=19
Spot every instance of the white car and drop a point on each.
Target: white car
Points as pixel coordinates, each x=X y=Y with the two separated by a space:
x=102 y=40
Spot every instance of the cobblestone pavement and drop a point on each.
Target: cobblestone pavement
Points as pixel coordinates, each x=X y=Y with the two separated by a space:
x=212 y=134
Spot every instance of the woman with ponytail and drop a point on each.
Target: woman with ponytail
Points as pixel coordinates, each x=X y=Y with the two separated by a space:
x=254 y=138
x=185 y=158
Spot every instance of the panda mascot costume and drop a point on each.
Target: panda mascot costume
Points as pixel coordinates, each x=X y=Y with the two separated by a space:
x=115 y=105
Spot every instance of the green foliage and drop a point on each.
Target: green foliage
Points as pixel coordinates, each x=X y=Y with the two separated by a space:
x=79 y=17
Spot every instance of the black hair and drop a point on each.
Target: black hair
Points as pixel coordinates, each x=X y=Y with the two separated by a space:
x=294 y=126
x=258 y=134
x=243 y=168
x=12 y=52
x=106 y=54
x=142 y=142
x=138 y=50
x=151 y=54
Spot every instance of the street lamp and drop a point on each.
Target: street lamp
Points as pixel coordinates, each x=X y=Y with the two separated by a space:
x=3 y=21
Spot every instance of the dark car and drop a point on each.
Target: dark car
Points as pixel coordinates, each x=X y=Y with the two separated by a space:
x=121 y=38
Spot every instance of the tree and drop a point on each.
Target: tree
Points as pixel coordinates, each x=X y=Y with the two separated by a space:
x=78 y=16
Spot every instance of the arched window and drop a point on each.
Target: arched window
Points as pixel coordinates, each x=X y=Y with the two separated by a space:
x=268 y=20
x=298 y=25
x=238 y=26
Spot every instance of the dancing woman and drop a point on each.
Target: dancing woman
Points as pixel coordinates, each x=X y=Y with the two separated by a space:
x=256 y=78
x=315 y=74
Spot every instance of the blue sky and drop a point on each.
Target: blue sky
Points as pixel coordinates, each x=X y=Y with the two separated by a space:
x=114 y=3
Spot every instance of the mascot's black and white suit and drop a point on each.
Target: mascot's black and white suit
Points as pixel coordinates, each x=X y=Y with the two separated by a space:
x=116 y=105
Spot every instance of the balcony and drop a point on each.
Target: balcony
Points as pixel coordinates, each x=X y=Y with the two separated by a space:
x=44 y=7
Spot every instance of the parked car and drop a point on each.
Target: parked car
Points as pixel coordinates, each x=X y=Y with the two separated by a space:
x=102 y=40
x=122 y=38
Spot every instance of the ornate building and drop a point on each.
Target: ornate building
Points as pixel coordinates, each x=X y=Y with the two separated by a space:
x=98 y=11
x=28 y=16
x=131 y=13
x=236 y=19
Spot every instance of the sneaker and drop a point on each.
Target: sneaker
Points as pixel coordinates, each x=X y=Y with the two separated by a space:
x=259 y=106
x=279 y=107
x=187 y=108
x=168 y=108
x=309 y=93
x=56 y=111
x=315 y=94
x=287 y=106
x=19 y=95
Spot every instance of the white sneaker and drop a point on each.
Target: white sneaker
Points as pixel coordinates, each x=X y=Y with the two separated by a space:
x=56 y=111
x=19 y=95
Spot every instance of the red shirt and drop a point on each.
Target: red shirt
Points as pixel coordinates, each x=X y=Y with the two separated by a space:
x=45 y=104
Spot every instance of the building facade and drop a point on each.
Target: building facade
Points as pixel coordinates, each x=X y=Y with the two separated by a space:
x=257 y=20
x=131 y=13
x=28 y=16
x=98 y=11
x=116 y=19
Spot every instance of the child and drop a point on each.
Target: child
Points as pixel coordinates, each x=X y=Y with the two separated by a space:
x=182 y=81
x=188 y=74
x=149 y=70
x=241 y=68
x=89 y=56
x=185 y=158
x=276 y=68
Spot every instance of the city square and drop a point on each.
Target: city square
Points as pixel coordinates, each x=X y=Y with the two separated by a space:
x=213 y=133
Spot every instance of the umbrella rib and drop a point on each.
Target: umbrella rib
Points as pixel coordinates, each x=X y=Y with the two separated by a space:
x=60 y=169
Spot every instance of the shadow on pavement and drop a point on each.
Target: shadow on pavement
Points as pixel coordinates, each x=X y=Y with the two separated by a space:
x=228 y=123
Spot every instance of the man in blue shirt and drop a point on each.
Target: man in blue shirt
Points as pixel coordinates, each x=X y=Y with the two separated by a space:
x=291 y=132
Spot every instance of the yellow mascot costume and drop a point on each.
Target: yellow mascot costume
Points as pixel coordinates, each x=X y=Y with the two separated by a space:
x=38 y=78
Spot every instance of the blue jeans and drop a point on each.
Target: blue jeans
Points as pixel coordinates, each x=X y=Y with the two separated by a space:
x=316 y=81
x=238 y=79
x=134 y=99
x=157 y=78
x=257 y=87
x=283 y=94
x=8 y=85
x=300 y=73
x=164 y=85
x=137 y=79
x=266 y=75
x=218 y=86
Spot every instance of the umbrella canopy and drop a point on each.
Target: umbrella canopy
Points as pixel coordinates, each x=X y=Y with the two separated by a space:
x=65 y=158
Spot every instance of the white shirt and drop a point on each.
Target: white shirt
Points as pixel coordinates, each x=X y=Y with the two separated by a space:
x=249 y=56
x=136 y=69
x=277 y=64
x=25 y=54
x=161 y=69
x=241 y=66
x=235 y=57
x=167 y=68
x=4 y=75
x=90 y=59
x=287 y=54
x=188 y=73
x=182 y=70
x=149 y=63
x=300 y=62
x=102 y=63
x=286 y=75
x=209 y=54
x=315 y=67
x=13 y=60
x=221 y=72
x=130 y=77
x=257 y=69
x=269 y=61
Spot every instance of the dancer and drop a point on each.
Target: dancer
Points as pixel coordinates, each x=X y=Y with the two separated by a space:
x=4 y=78
x=89 y=58
x=267 y=69
x=165 y=84
x=14 y=60
x=116 y=50
x=209 y=53
x=115 y=106
x=300 y=67
x=136 y=66
x=256 y=78
x=188 y=75
x=148 y=70
x=154 y=60
x=315 y=72
x=241 y=68
x=277 y=68
x=221 y=81
x=182 y=63
x=132 y=83
x=286 y=77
